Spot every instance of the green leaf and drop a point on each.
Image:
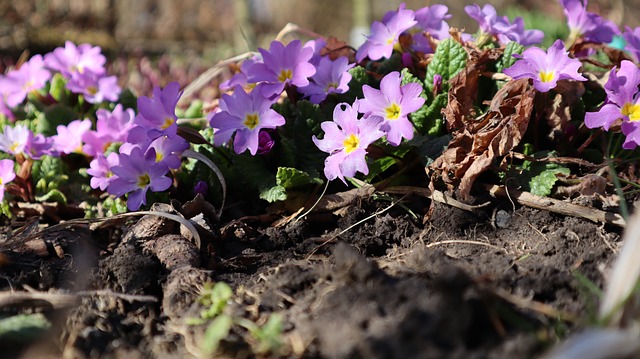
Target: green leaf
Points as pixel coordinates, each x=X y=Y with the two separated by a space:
x=215 y=298
x=378 y=166
x=216 y=331
x=54 y=195
x=542 y=184
x=48 y=174
x=408 y=77
x=274 y=194
x=194 y=110
x=58 y=88
x=448 y=59
x=288 y=178
x=269 y=336
x=428 y=119
x=507 y=59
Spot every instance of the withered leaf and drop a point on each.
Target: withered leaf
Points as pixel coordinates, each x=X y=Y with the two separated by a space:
x=480 y=141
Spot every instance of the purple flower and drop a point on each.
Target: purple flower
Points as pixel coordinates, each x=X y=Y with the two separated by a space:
x=95 y=88
x=520 y=35
x=110 y=127
x=158 y=114
x=138 y=172
x=201 y=187
x=393 y=103
x=15 y=140
x=4 y=109
x=546 y=68
x=69 y=138
x=282 y=65
x=632 y=38
x=500 y=27
x=100 y=170
x=346 y=140
x=40 y=146
x=168 y=150
x=6 y=175
x=72 y=60
x=240 y=78
x=623 y=102
x=265 y=142
x=31 y=76
x=245 y=115
x=386 y=34
x=582 y=23
x=330 y=77
x=432 y=19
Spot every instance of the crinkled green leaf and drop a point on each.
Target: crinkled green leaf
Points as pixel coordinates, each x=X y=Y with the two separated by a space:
x=58 y=88
x=448 y=59
x=507 y=59
x=288 y=178
x=428 y=119
x=378 y=166
x=54 y=195
x=539 y=177
x=217 y=330
x=48 y=174
x=274 y=194
x=408 y=77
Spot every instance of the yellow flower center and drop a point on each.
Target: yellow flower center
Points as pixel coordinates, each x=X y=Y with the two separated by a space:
x=285 y=75
x=546 y=76
x=632 y=110
x=14 y=146
x=167 y=122
x=144 y=180
x=251 y=120
x=159 y=156
x=92 y=90
x=393 y=111
x=330 y=85
x=351 y=143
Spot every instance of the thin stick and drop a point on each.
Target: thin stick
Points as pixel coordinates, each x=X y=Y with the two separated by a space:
x=315 y=204
x=464 y=241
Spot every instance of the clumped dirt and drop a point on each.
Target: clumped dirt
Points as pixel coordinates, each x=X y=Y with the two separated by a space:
x=492 y=283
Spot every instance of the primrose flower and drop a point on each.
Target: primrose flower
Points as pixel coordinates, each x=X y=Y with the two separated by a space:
x=72 y=61
x=31 y=76
x=111 y=126
x=546 y=68
x=282 y=65
x=100 y=170
x=330 y=77
x=239 y=78
x=40 y=146
x=386 y=34
x=95 y=88
x=6 y=175
x=623 y=102
x=500 y=27
x=245 y=115
x=346 y=139
x=15 y=140
x=201 y=187
x=433 y=19
x=393 y=103
x=69 y=138
x=520 y=35
x=632 y=39
x=158 y=114
x=265 y=142
x=137 y=172
x=582 y=23
x=168 y=150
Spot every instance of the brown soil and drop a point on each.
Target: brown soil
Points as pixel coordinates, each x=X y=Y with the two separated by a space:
x=495 y=283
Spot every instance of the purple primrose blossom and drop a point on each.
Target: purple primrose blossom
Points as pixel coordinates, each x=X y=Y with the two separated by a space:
x=136 y=173
x=282 y=65
x=6 y=175
x=546 y=68
x=40 y=146
x=265 y=143
x=69 y=138
x=393 y=103
x=386 y=34
x=15 y=140
x=632 y=39
x=158 y=114
x=73 y=61
x=500 y=27
x=346 y=139
x=95 y=88
x=623 y=103
x=330 y=77
x=433 y=19
x=100 y=170
x=244 y=114
x=111 y=126
x=168 y=150
x=31 y=76
x=590 y=26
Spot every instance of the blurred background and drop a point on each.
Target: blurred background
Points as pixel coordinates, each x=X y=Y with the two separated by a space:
x=221 y=28
x=188 y=36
